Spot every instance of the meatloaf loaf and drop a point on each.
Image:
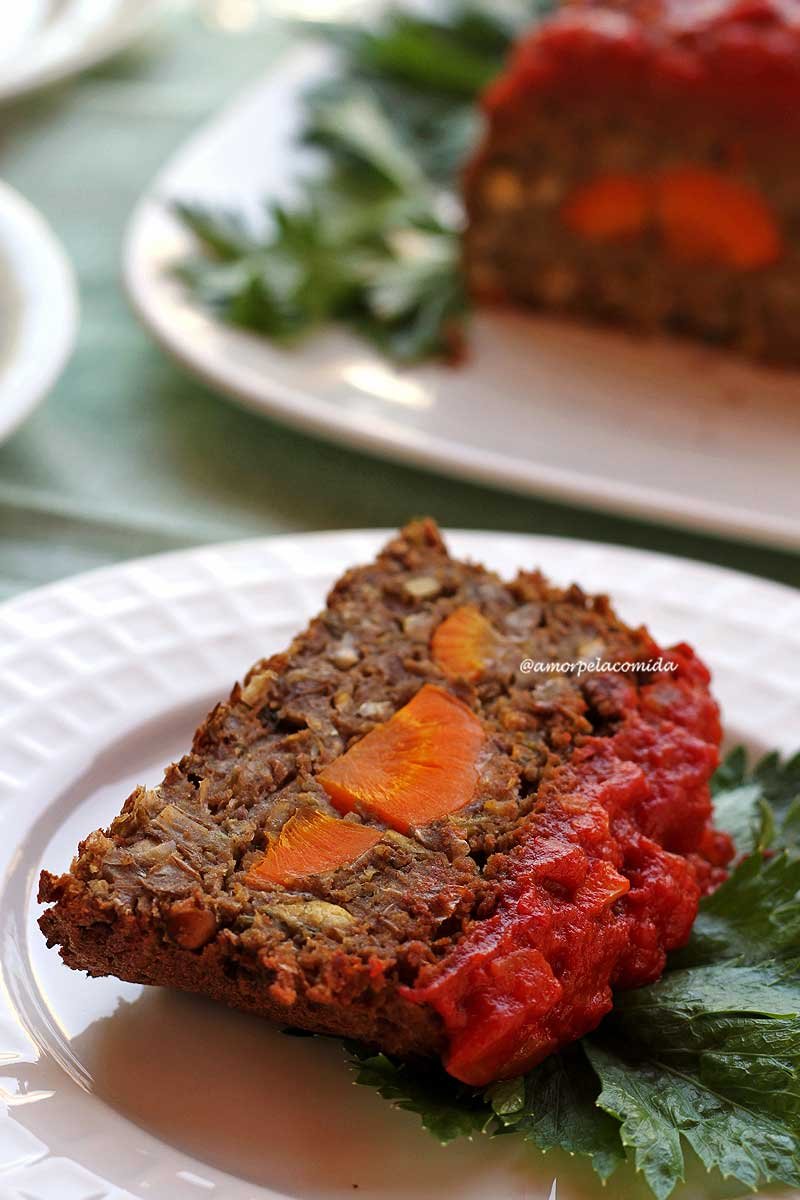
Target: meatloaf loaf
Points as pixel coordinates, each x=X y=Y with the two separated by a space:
x=639 y=166
x=448 y=821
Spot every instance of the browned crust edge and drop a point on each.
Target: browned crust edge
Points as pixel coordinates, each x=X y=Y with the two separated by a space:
x=108 y=942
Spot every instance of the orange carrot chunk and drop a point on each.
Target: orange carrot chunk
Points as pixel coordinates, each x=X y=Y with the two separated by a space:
x=609 y=206
x=705 y=217
x=416 y=768
x=463 y=643
x=309 y=843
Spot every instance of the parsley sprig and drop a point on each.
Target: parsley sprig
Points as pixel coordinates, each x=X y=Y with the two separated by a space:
x=707 y=1058
x=374 y=242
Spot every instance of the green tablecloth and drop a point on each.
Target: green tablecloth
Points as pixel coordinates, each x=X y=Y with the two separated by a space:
x=131 y=456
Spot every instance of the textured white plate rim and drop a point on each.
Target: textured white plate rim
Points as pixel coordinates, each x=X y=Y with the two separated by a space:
x=47 y=320
x=196 y=339
x=127 y=22
x=461 y=540
x=35 y=624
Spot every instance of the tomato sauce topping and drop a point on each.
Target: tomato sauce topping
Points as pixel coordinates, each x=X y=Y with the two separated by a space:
x=742 y=56
x=604 y=880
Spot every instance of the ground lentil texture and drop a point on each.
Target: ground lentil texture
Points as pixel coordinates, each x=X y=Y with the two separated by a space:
x=489 y=936
x=638 y=168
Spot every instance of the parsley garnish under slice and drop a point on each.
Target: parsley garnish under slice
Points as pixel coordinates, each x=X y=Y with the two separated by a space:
x=708 y=1057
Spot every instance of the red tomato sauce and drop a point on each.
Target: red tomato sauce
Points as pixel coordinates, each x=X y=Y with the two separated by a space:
x=739 y=55
x=604 y=881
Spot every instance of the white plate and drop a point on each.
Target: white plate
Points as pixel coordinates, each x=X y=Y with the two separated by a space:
x=44 y=41
x=38 y=309
x=103 y=677
x=666 y=430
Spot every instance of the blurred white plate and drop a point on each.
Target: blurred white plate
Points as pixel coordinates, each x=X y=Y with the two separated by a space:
x=43 y=41
x=38 y=309
x=112 y=1090
x=660 y=429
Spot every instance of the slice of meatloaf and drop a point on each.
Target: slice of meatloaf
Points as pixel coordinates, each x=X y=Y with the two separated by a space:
x=639 y=167
x=418 y=827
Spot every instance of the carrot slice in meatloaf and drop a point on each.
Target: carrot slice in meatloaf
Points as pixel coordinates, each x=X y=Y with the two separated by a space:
x=415 y=769
x=692 y=214
x=311 y=843
x=463 y=643
x=514 y=845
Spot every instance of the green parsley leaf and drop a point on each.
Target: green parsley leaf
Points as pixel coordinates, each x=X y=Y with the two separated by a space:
x=355 y=130
x=753 y=917
x=709 y=1055
x=447 y=1109
x=433 y=55
x=780 y=785
x=746 y=816
x=759 y=808
x=223 y=233
x=731 y=772
x=660 y=1103
x=555 y=1107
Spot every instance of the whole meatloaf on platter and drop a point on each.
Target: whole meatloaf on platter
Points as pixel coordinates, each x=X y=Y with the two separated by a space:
x=640 y=166
x=448 y=821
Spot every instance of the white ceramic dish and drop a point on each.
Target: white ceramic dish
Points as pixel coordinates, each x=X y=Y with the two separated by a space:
x=665 y=430
x=113 y=1090
x=38 y=310
x=45 y=41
